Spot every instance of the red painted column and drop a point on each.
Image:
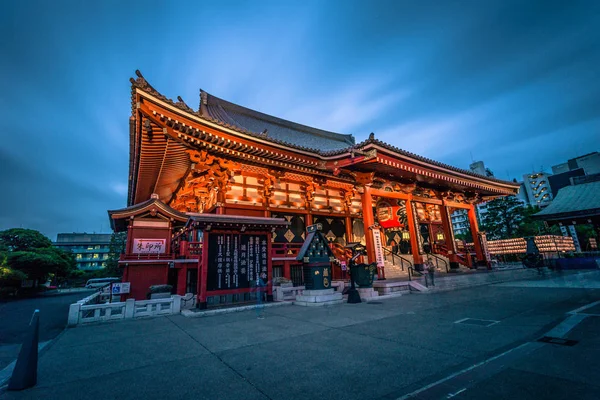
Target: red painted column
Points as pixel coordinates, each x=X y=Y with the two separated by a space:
x=309 y=219
x=412 y=229
x=368 y=220
x=475 y=233
x=448 y=236
x=182 y=279
x=349 y=236
x=287 y=272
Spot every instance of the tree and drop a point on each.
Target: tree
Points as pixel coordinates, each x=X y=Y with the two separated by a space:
x=32 y=254
x=9 y=276
x=19 y=239
x=503 y=218
x=467 y=237
x=116 y=247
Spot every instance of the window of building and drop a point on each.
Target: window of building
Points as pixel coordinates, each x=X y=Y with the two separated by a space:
x=78 y=256
x=96 y=255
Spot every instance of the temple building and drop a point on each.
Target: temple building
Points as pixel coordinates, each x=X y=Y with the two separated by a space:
x=228 y=160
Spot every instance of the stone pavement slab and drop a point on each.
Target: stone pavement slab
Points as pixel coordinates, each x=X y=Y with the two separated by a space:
x=522 y=385
x=200 y=377
x=376 y=350
x=334 y=364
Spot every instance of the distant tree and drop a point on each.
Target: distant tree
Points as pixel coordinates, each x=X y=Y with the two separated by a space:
x=32 y=254
x=19 y=239
x=118 y=241
x=503 y=218
x=584 y=233
x=467 y=237
x=9 y=276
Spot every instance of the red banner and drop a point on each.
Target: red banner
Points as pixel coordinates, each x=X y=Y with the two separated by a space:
x=387 y=215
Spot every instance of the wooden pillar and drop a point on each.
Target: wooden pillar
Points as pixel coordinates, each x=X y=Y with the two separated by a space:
x=287 y=272
x=475 y=233
x=412 y=229
x=448 y=236
x=349 y=235
x=309 y=220
x=368 y=220
x=182 y=279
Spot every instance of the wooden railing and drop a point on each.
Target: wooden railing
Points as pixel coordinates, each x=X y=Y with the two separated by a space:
x=285 y=250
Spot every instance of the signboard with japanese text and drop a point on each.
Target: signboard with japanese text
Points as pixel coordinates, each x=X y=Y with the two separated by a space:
x=234 y=260
x=149 y=246
x=378 y=247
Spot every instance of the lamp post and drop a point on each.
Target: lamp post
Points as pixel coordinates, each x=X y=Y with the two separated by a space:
x=357 y=250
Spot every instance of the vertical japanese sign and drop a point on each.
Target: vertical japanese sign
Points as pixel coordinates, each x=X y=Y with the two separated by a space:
x=573 y=233
x=484 y=247
x=378 y=247
x=235 y=260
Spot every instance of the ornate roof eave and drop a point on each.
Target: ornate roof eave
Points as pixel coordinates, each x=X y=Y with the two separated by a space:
x=145 y=88
x=146 y=206
x=329 y=155
x=372 y=143
x=267 y=160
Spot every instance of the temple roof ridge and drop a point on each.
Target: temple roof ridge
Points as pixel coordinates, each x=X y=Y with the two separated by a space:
x=231 y=108
x=287 y=133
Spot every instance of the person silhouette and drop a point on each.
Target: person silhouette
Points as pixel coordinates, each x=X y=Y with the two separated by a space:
x=260 y=283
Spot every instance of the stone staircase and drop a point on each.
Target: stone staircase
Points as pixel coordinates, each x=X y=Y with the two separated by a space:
x=395 y=271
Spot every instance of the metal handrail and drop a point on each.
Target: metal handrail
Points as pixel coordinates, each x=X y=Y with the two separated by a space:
x=402 y=259
x=438 y=259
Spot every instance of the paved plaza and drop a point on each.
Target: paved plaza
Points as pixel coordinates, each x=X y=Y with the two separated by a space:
x=428 y=345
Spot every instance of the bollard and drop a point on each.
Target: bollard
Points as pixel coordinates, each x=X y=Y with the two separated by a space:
x=25 y=373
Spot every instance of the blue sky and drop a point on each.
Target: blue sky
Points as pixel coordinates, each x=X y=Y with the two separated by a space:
x=512 y=83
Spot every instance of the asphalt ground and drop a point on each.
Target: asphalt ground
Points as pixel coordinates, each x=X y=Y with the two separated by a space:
x=388 y=349
x=15 y=316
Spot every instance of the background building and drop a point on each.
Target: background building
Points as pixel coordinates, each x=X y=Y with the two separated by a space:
x=574 y=168
x=537 y=187
x=459 y=218
x=90 y=249
x=590 y=163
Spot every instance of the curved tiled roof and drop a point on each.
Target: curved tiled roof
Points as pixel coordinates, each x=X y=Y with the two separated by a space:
x=273 y=127
x=287 y=133
x=576 y=200
x=372 y=140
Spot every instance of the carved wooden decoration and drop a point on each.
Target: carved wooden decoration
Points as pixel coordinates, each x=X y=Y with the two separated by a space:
x=363 y=178
x=209 y=179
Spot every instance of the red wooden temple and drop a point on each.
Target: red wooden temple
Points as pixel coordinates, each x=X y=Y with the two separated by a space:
x=225 y=159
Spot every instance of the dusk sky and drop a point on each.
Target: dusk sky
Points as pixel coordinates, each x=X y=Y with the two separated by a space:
x=515 y=84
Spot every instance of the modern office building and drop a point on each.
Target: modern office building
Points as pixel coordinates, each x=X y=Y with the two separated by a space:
x=90 y=249
x=537 y=188
x=459 y=218
x=590 y=163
